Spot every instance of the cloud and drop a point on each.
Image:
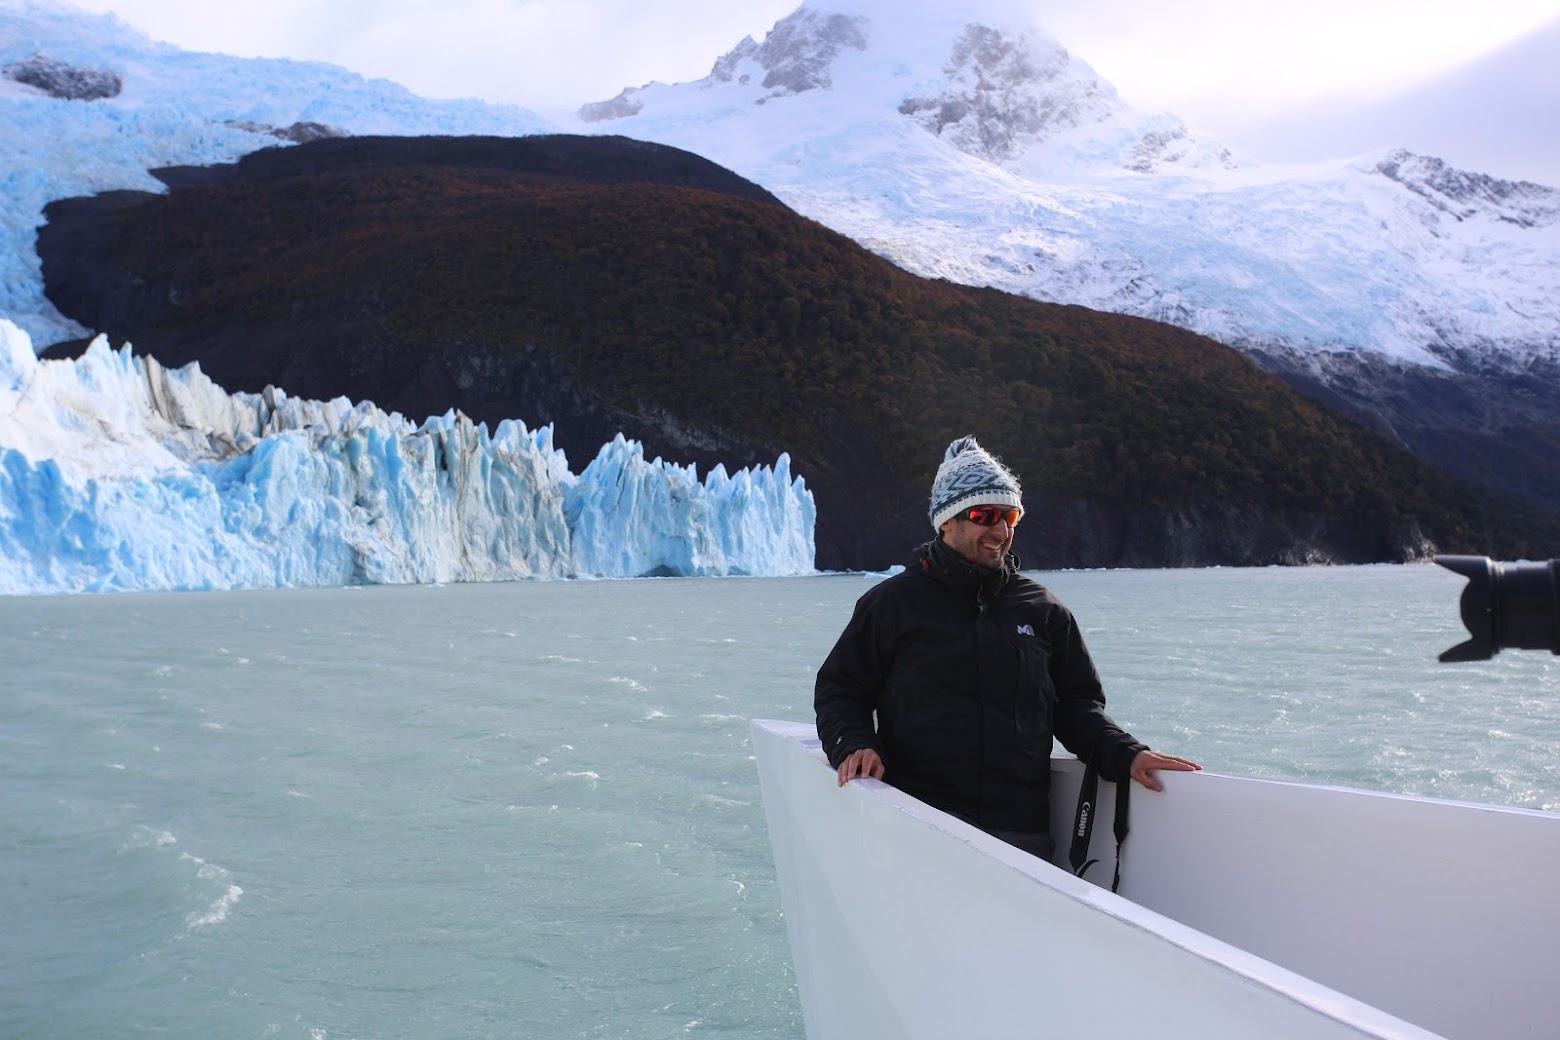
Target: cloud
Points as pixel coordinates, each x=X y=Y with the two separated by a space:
x=1224 y=62
x=1491 y=116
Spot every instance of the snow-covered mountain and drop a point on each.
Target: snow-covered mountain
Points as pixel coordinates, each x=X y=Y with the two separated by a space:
x=946 y=137
x=949 y=138
x=982 y=152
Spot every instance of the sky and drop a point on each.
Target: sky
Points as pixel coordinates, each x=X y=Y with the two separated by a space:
x=1285 y=83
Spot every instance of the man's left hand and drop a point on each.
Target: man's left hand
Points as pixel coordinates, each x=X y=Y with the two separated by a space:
x=1145 y=763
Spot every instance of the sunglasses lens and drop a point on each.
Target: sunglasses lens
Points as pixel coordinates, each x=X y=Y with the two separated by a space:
x=987 y=516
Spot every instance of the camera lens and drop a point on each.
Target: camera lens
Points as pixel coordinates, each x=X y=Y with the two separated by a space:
x=1506 y=606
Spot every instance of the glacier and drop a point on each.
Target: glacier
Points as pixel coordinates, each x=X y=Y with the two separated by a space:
x=119 y=474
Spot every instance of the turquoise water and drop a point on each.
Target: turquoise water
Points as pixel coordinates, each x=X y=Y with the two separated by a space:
x=530 y=810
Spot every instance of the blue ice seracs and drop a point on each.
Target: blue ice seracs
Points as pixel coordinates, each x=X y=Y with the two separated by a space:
x=117 y=473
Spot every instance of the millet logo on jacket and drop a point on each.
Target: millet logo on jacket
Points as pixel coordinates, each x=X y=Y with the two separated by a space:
x=1026 y=630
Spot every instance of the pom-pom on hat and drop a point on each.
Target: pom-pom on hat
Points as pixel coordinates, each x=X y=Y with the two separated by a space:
x=971 y=476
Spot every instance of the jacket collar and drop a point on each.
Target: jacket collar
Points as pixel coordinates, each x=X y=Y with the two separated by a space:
x=967 y=580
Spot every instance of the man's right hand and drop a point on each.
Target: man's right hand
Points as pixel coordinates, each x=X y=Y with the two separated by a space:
x=864 y=762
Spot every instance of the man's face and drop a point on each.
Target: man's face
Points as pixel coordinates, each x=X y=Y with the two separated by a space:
x=982 y=546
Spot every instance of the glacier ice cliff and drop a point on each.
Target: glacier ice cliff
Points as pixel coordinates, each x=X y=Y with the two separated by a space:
x=117 y=473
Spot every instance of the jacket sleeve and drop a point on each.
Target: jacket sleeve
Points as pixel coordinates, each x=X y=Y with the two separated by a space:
x=1081 y=722
x=846 y=691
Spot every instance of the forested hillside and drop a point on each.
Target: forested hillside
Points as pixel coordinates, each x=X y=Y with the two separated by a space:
x=605 y=285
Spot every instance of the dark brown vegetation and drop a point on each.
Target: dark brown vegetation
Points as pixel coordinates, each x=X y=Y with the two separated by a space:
x=603 y=285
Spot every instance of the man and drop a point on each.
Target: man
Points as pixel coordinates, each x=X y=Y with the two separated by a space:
x=971 y=669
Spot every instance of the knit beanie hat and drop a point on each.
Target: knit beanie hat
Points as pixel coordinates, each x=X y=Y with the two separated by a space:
x=971 y=476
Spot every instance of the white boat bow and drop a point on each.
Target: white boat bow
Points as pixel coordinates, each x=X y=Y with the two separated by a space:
x=1248 y=910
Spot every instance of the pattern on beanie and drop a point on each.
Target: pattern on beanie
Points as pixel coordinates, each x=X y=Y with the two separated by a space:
x=971 y=476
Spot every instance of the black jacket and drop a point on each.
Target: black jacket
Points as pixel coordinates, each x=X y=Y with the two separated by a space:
x=971 y=672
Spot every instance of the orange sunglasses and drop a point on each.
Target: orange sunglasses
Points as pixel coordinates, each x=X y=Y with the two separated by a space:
x=987 y=516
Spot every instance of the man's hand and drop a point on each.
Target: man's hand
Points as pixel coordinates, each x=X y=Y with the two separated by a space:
x=1145 y=763
x=864 y=762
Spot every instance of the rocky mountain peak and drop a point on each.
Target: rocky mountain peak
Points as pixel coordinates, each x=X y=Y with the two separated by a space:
x=797 y=56
x=64 y=81
x=1002 y=87
x=982 y=77
x=1461 y=195
x=801 y=49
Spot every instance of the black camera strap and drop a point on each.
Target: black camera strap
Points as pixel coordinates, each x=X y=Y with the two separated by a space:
x=1083 y=821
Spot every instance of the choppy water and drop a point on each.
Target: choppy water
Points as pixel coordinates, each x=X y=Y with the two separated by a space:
x=529 y=810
